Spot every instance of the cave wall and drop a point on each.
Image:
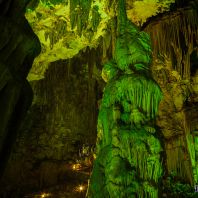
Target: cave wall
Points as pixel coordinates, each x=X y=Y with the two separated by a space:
x=65 y=106
x=174 y=38
x=18 y=48
x=62 y=119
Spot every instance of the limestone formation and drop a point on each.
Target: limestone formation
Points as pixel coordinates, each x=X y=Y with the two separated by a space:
x=18 y=48
x=128 y=162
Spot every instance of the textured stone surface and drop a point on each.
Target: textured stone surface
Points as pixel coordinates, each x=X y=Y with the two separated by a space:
x=18 y=48
x=66 y=27
x=175 y=69
x=128 y=161
x=61 y=116
x=61 y=120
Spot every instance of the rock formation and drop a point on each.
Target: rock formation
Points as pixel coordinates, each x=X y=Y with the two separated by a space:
x=18 y=48
x=77 y=38
x=128 y=162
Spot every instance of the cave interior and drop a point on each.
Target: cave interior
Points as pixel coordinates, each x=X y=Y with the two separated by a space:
x=99 y=98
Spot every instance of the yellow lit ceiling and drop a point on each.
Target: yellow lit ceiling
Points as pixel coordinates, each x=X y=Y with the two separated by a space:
x=51 y=21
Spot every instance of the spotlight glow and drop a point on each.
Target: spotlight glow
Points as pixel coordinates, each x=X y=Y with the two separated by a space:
x=80 y=188
x=76 y=167
x=45 y=195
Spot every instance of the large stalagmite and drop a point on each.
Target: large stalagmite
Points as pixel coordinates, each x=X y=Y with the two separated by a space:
x=128 y=162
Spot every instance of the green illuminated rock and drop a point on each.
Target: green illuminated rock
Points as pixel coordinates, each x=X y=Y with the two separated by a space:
x=65 y=27
x=128 y=162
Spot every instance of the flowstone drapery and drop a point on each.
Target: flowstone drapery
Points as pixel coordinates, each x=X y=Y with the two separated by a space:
x=128 y=162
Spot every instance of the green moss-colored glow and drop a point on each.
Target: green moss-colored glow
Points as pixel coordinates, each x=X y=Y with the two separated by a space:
x=79 y=14
x=142 y=93
x=65 y=28
x=175 y=187
x=128 y=154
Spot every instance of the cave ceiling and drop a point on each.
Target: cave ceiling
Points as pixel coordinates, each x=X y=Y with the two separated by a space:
x=64 y=28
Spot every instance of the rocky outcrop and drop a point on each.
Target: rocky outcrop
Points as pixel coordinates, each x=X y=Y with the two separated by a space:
x=18 y=48
x=66 y=27
x=128 y=161
x=174 y=37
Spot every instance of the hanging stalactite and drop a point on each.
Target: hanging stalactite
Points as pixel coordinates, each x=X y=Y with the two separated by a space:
x=79 y=14
x=175 y=38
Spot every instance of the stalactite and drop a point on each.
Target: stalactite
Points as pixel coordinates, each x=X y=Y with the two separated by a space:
x=91 y=61
x=106 y=44
x=149 y=166
x=61 y=28
x=113 y=34
x=191 y=150
x=95 y=17
x=126 y=87
x=73 y=15
x=178 y=32
x=79 y=14
x=58 y=32
x=86 y=7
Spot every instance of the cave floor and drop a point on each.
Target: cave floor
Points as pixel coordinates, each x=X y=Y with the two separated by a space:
x=74 y=186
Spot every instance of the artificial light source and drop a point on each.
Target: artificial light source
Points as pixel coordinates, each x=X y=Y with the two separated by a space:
x=76 y=167
x=79 y=188
x=45 y=195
